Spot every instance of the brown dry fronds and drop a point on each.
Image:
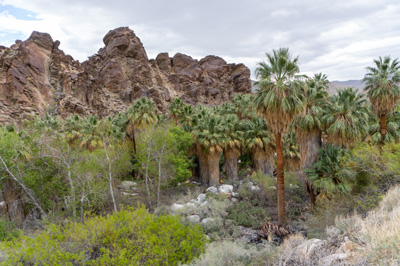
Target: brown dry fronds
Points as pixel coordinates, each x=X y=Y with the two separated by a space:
x=383 y=105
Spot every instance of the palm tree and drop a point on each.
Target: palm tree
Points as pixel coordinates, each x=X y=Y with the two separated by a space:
x=309 y=124
x=278 y=100
x=382 y=84
x=140 y=114
x=233 y=140
x=345 y=117
x=90 y=136
x=244 y=106
x=392 y=128
x=326 y=174
x=259 y=141
x=175 y=108
x=72 y=128
x=291 y=152
x=208 y=132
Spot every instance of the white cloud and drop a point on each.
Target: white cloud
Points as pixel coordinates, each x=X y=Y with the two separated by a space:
x=339 y=38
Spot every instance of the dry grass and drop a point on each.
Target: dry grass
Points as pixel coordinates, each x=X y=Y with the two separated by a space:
x=238 y=253
x=379 y=232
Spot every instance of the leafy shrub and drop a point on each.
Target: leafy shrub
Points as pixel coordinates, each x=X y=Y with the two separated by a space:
x=258 y=198
x=245 y=214
x=8 y=230
x=129 y=237
x=229 y=253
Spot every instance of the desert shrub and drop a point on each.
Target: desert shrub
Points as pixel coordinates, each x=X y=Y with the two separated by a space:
x=258 y=198
x=380 y=231
x=287 y=247
x=264 y=180
x=245 y=214
x=295 y=194
x=8 y=230
x=236 y=253
x=129 y=237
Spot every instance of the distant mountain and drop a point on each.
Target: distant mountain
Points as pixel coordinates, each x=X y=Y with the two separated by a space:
x=332 y=87
x=335 y=85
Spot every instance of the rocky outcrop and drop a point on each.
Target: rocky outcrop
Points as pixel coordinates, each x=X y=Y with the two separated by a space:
x=37 y=77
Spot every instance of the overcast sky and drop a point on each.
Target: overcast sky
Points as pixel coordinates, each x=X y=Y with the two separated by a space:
x=339 y=38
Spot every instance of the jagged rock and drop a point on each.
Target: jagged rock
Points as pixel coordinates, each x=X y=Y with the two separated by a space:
x=37 y=77
x=212 y=190
x=225 y=189
x=193 y=219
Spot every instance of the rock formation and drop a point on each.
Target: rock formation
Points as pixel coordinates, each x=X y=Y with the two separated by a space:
x=37 y=77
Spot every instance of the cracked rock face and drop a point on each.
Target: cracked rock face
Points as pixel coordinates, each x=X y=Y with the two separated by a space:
x=37 y=77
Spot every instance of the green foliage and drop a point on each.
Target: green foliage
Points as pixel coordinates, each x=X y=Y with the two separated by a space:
x=280 y=95
x=181 y=161
x=130 y=237
x=382 y=84
x=168 y=145
x=327 y=175
x=345 y=117
x=315 y=96
x=392 y=128
x=8 y=230
x=245 y=214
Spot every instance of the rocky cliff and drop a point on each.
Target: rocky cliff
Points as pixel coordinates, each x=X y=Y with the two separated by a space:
x=37 y=77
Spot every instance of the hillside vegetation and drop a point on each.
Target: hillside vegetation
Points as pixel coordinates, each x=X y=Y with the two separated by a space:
x=259 y=179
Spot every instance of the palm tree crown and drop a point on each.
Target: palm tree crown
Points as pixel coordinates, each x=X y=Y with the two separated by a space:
x=382 y=84
x=346 y=117
x=279 y=97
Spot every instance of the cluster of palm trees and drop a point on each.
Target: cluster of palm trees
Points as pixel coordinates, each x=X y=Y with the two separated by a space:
x=288 y=119
x=283 y=125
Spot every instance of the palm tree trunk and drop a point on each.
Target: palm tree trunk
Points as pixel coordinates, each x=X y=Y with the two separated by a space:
x=383 y=128
x=258 y=159
x=134 y=141
x=263 y=160
x=14 y=206
x=203 y=166
x=231 y=163
x=313 y=197
x=310 y=143
x=280 y=176
x=213 y=166
x=269 y=163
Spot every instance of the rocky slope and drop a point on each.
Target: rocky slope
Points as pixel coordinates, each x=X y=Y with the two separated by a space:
x=37 y=77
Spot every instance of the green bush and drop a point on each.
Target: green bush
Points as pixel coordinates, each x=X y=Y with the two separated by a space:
x=245 y=214
x=8 y=230
x=129 y=237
